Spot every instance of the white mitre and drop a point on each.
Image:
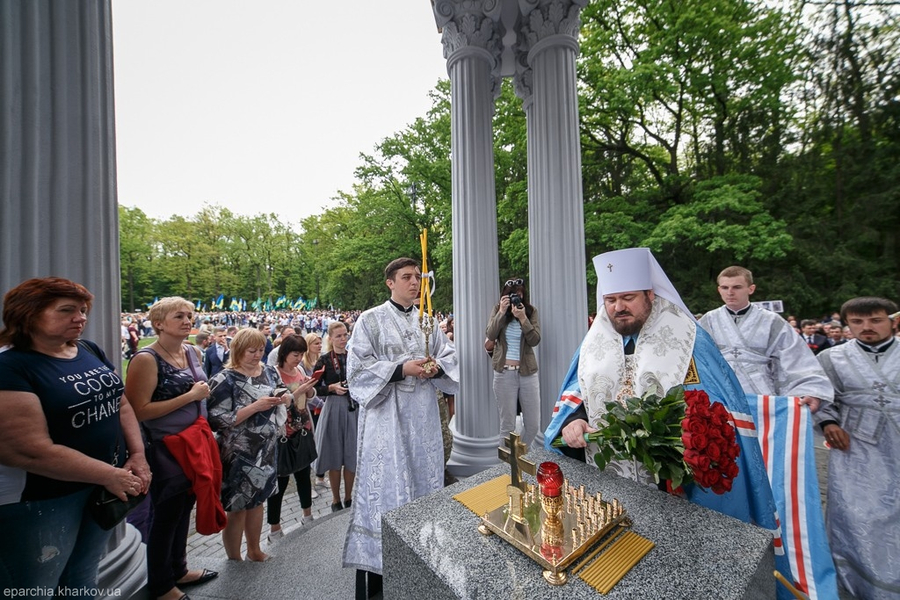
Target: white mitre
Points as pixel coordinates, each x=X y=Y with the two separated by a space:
x=630 y=270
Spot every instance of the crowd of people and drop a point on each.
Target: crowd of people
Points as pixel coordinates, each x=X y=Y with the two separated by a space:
x=219 y=411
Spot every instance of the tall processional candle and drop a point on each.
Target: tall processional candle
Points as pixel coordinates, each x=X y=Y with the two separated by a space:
x=426 y=324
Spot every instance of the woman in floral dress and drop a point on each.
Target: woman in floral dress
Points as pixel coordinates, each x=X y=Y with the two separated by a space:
x=249 y=417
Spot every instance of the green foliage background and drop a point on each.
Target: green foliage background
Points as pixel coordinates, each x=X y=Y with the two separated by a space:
x=715 y=132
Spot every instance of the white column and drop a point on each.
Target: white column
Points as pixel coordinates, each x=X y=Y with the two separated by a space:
x=471 y=47
x=58 y=209
x=547 y=45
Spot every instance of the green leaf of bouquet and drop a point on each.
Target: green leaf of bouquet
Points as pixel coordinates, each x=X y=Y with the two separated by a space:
x=676 y=477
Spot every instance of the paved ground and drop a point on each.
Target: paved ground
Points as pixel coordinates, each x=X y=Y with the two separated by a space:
x=210 y=546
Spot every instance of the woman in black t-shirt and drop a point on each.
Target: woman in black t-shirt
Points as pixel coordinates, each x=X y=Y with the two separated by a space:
x=68 y=425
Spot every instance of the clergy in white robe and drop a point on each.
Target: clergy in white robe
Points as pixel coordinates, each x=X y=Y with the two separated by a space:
x=862 y=426
x=763 y=350
x=400 y=449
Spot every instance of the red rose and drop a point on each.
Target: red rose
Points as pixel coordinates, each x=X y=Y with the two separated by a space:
x=690 y=456
x=713 y=451
x=730 y=469
x=699 y=410
x=707 y=478
x=703 y=462
x=700 y=441
x=692 y=396
x=734 y=451
x=696 y=426
x=728 y=432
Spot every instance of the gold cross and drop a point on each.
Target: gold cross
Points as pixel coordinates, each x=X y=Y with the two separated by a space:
x=512 y=454
x=609 y=266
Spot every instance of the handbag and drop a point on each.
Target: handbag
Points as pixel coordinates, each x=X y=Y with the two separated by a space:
x=108 y=510
x=297 y=451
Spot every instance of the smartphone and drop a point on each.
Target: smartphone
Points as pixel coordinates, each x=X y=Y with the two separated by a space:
x=279 y=392
x=317 y=375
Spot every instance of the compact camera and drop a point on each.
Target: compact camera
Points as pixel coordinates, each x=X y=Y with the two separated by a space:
x=515 y=300
x=351 y=403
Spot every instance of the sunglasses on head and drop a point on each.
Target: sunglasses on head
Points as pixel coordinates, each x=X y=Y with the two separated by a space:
x=512 y=282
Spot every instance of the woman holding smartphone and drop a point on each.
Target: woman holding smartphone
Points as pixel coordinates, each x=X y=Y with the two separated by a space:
x=298 y=436
x=248 y=412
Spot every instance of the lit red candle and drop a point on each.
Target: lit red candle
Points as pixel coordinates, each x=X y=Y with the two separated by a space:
x=550 y=479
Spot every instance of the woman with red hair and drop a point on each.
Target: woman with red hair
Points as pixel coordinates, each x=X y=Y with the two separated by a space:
x=69 y=427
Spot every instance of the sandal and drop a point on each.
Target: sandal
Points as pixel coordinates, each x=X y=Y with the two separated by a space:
x=205 y=576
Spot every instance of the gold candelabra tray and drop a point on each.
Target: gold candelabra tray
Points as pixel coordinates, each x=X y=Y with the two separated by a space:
x=555 y=532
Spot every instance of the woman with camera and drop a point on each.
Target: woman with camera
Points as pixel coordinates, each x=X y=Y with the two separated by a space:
x=515 y=329
x=337 y=427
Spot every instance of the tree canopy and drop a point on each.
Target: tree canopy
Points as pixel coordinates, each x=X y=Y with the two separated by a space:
x=714 y=132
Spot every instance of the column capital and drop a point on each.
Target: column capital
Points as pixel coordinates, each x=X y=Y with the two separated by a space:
x=471 y=28
x=549 y=23
x=544 y=24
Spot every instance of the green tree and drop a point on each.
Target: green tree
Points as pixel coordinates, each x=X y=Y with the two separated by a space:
x=136 y=253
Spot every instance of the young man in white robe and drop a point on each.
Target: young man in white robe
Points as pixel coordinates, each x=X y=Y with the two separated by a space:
x=862 y=426
x=765 y=352
x=400 y=454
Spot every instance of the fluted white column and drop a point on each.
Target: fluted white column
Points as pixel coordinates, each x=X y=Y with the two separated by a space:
x=547 y=43
x=471 y=47
x=58 y=209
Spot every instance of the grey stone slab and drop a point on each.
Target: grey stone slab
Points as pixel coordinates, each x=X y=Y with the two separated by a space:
x=432 y=549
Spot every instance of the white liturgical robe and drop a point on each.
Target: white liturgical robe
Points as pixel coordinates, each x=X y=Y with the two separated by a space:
x=766 y=354
x=862 y=511
x=400 y=453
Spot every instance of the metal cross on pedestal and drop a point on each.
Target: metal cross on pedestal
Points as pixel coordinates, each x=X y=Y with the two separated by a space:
x=512 y=454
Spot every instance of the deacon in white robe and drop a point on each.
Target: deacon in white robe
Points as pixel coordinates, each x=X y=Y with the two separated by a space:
x=766 y=354
x=400 y=450
x=862 y=426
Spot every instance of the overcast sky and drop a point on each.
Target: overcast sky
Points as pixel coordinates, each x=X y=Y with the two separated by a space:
x=262 y=106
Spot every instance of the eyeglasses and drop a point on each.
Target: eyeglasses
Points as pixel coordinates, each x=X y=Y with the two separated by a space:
x=512 y=282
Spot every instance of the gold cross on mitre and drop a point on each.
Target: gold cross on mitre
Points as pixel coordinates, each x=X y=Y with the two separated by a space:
x=513 y=454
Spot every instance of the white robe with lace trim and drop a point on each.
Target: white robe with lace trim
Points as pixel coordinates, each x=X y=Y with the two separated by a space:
x=400 y=450
x=767 y=355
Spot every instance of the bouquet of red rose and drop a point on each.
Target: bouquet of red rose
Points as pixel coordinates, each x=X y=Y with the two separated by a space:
x=678 y=437
x=710 y=442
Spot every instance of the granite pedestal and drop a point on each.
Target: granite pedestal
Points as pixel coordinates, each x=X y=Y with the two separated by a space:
x=433 y=550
